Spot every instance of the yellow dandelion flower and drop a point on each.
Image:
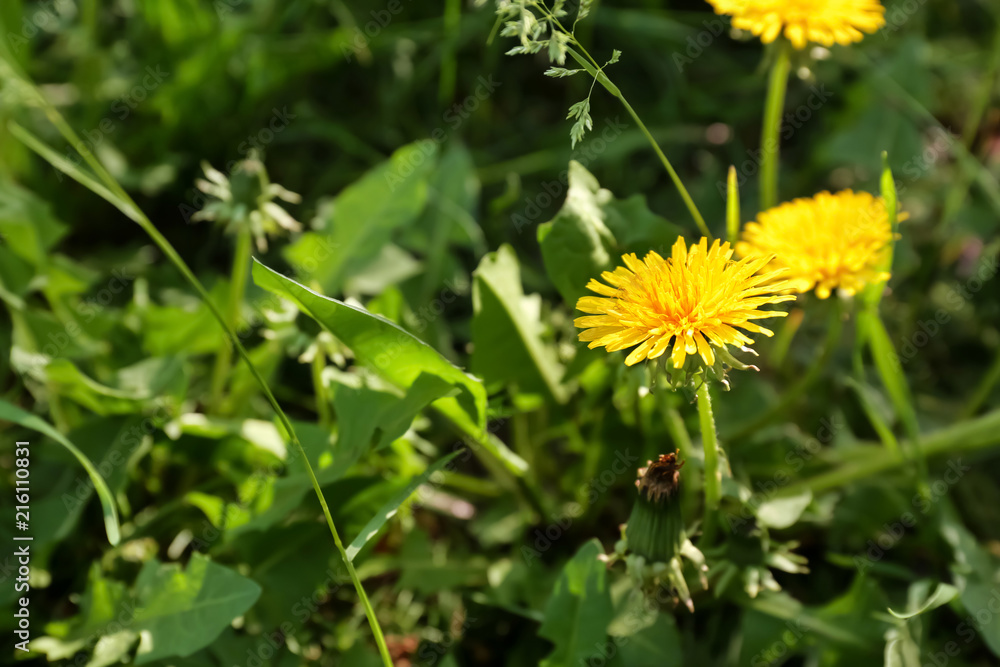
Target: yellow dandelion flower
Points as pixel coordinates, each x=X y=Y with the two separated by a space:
x=825 y=242
x=697 y=298
x=825 y=22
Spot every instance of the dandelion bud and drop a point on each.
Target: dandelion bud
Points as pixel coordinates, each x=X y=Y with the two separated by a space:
x=655 y=530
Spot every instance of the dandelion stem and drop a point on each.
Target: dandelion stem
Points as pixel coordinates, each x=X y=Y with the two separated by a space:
x=237 y=288
x=770 y=141
x=691 y=207
x=713 y=477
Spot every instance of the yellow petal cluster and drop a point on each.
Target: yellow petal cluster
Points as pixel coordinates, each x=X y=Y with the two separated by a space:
x=699 y=298
x=825 y=22
x=826 y=242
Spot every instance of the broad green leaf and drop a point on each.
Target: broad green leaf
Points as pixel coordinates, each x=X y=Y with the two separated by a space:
x=975 y=570
x=364 y=217
x=101 y=602
x=658 y=645
x=363 y=412
x=942 y=595
x=180 y=611
x=390 y=508
x=507 y=330
x=576 y=244
x=27 y=225
x=14 y=414
x=578 y=613
x=592 y=230
x=396 y=355
x=378 y=343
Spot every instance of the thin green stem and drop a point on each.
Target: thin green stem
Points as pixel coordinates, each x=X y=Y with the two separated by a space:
x=126 y=204
x=597 y=72
x=237 y=289
x=770 y=144
x=688 y=202
x=713 y=476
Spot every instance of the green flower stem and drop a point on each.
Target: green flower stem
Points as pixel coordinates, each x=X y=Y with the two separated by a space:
x=713 y=476
x=682 y=440
x=777 y=84
x=799 y=389
x=966 y=436
x=118 y=196
x=237 y=289
x=597 y=72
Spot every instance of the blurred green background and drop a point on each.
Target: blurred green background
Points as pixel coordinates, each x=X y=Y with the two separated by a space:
x=325 y=91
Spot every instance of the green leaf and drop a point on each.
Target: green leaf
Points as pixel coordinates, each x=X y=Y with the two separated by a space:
x=783 y=512
x=507 y=329
x=593 y=229
x=379 y=344
x=390 y=508
x=362 y=412
x=578 y=613
x=890 y=370
x=180 y=611
x=658 y=645
x=364 y=217
x=102 y=600
x=397 y=356
x=14 y=414
x=576 y=244
x=975 y=570
x=942 y=595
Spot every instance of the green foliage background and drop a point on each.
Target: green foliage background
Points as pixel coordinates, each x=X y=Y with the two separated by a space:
x=438 y=191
